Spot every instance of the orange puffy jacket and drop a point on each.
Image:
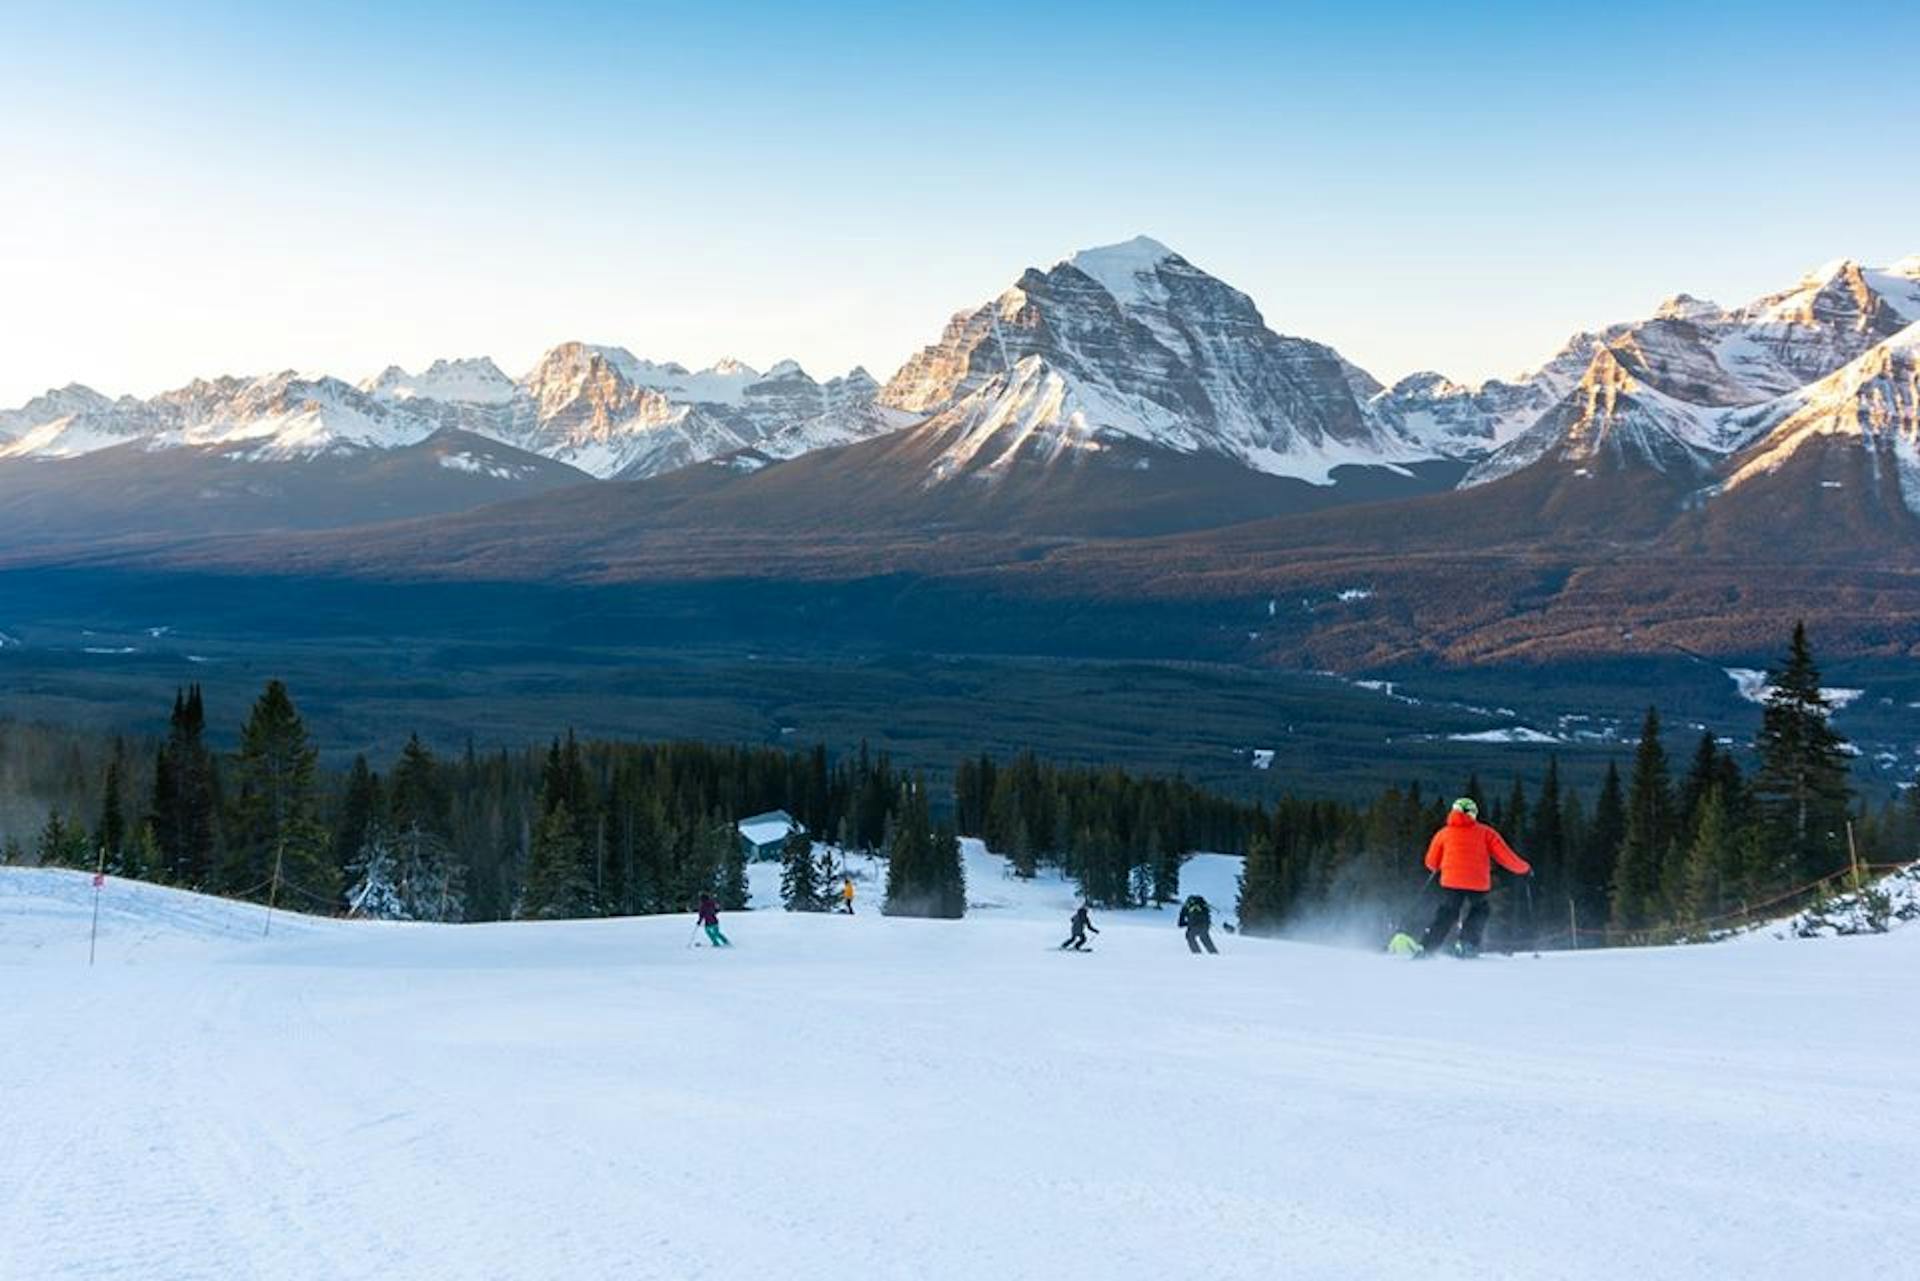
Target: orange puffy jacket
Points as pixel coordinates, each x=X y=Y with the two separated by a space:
x=1463 y=851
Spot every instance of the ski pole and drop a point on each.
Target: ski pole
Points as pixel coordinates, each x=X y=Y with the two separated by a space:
x=693 y=936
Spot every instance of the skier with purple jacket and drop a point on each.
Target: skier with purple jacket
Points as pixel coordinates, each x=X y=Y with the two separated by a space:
x=710 y=917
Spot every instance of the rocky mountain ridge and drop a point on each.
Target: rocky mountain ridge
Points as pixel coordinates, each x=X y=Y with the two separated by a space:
x=1121 y=343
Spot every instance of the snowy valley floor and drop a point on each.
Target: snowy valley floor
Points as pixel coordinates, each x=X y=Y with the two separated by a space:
x=870 y=1098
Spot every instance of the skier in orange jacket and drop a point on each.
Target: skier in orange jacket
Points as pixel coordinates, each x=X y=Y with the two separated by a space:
x=1463 y=853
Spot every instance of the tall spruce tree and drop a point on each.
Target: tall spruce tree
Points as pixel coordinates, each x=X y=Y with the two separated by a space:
x=1639 y=875
x=799 y=875
x=1546 y=839
x=948 y=873
x=1592 y=881
x=275 y=837
x=420 y=826
x=1713 y=860
x=360 y=808
x=1264 y=899
x=925 y=874
x=185 y=812
x=558 y=884
x=1801 y=790
x=732 y=890
x=110 y=835
x=63 y=844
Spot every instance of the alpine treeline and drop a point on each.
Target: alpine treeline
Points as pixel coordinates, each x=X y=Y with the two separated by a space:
x=575 y=829
x=1668 y=846
x=1121 y=838
x=1664 y=852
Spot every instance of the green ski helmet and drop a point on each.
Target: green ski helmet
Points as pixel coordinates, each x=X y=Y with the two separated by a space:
x=1467 y=806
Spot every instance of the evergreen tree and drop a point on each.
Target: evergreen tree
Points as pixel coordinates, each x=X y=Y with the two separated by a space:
x=799 y=875
x=143 y=854
x=373 y=877
x=111 y=833
x=732 y=891
x=360 y=808
x=274 y=832
x=558 y=886
x=1801 y=791
x=1547 y=842
x=908 y=855
x=186 y=797
x=1263 y=897
x=1703 y=775
x=63 y=844
x=715 y=848
x=948 y=874
x=1163 y=859
x=1713 y=860
x=1514 y=815
x=1592 y=881
x=925 y=872
x=1639 y=874
x=419 y=827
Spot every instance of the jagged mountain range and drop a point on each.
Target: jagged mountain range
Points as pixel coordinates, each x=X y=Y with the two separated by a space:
x=600 y=410
x=1118 y=361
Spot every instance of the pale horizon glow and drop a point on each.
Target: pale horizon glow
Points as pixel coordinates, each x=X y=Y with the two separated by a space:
x=224 y=189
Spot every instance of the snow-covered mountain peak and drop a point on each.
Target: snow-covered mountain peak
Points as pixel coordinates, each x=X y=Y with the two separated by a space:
x=1126 y=270
x=1834 y=293
x=1613 y=419
x=1426 y=382
x=1829 y=270
x=1687 y=307
x=55 y=404
x=1871 y=404
x=469 y=381
x=1133 y=340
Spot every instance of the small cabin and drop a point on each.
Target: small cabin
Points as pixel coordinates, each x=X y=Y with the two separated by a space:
x=762 y=835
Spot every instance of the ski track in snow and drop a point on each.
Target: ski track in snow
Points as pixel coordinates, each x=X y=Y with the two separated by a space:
x=842 y=1097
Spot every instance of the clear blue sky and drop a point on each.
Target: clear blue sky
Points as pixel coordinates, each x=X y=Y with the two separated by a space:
x=199 y=188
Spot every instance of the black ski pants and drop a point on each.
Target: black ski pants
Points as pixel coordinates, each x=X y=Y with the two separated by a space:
x=1077 y=941
x=1196 y=939
x=1451 y=902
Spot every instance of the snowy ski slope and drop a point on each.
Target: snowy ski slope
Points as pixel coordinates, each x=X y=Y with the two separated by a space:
x=875 y=1098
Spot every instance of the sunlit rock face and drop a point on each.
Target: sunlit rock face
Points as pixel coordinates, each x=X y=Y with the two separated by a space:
x=1133 y=340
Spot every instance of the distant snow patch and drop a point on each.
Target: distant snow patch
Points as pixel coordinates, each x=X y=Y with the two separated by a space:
x=1263 y=758
x=7 y=641
x=111 y=649
x=1510 y=734
x=1356 y=593
x=1389 y=688
x=484 y=465
x=1751 y=684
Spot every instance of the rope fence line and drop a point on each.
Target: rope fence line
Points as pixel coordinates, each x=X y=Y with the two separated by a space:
x=1745 y=914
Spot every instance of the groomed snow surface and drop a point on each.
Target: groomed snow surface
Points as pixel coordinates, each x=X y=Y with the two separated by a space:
x=872 y=1098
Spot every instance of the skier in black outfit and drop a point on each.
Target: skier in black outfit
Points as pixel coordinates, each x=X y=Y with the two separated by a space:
x=1081 y=924
x=1196 y=918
